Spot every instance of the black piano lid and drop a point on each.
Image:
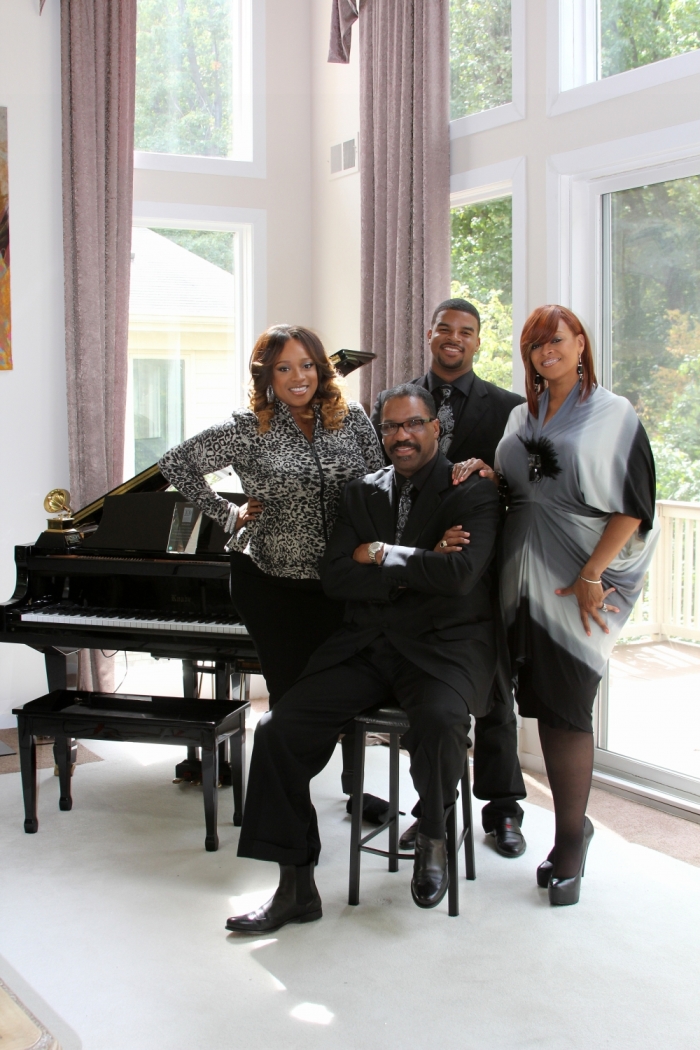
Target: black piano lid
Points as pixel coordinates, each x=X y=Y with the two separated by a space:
x=150 y=480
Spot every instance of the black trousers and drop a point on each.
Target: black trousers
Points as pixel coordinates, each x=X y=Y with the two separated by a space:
x=497 y=773
x=295 y=741
x=287 y=619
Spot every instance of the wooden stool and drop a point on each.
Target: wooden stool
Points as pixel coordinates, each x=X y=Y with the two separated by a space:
x=66 y=714
x=393 y=720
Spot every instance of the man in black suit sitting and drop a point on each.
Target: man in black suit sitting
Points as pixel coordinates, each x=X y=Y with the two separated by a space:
x=412 y=555
x=473 y=415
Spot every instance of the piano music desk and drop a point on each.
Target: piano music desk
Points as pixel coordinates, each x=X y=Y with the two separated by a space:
x=67 y=713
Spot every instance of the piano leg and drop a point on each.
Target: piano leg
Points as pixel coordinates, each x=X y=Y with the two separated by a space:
x=237 y=745
x=222 y=691
x=62 y=673
x=27 y=760
x=210 y=762
x=191 y=768
x=62 y=752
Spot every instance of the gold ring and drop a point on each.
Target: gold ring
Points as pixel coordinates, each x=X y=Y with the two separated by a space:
x=443 y=543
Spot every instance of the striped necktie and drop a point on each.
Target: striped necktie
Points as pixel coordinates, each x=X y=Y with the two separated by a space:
x=404 y=509
x=447 y=419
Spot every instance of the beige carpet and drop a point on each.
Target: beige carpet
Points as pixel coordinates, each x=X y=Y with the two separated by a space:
x=19 y=1029
x=44 y=760
x=636 y=823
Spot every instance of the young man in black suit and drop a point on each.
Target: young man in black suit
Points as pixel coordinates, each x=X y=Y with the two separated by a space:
x=473 y=416
x=412 y=556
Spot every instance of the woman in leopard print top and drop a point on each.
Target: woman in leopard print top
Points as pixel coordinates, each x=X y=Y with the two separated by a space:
x=294 y=450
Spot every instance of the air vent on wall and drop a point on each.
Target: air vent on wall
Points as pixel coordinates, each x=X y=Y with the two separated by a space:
x=345 y=158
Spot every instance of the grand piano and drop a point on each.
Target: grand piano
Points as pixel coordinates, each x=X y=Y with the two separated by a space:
x=109 y=582
x=105 y=579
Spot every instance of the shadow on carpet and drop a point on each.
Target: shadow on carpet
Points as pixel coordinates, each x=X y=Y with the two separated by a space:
x=44 y=754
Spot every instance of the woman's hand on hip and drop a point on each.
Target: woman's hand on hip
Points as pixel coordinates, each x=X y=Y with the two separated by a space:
x=248 y=512
x=453 y=540
x=591 y=602
x=464 y=469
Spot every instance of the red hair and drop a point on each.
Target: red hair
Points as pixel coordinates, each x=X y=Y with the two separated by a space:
x=540 y=327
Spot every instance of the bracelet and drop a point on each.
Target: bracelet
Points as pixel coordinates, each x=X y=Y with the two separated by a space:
x=588 y=581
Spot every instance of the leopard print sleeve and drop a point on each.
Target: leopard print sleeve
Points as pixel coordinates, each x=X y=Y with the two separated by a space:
x=185 y=466
x=366 y=437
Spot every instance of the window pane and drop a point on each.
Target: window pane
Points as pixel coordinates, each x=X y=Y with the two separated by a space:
x=482 y=272
x=654 y=335
x=193 y=82
x=182 y=346
x=655 y=323
x=636 y=32
x=480 y=56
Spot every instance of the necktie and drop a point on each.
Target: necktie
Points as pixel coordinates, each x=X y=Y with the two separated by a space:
x=404 y=509
x=447 y=419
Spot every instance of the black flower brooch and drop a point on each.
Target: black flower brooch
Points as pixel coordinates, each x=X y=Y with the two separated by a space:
x=541 y=459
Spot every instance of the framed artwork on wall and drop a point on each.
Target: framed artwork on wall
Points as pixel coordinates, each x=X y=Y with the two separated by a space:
x=5 y=326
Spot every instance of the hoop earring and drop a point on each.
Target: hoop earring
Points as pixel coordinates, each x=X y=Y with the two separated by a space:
x=270 y=394
x=580 y=372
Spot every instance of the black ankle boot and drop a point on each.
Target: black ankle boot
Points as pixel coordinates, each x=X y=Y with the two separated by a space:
x=296 y=899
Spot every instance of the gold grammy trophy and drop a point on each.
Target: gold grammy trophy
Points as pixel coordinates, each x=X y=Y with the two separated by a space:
x=58 y=502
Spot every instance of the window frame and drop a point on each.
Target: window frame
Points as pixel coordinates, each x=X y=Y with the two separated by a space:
x=509 y=111
x=252 y=65
x=507 y=179
x=577 y=183
x=250 y=248
x=571 y=36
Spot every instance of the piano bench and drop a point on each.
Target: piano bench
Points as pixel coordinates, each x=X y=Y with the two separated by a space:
x=68 y=714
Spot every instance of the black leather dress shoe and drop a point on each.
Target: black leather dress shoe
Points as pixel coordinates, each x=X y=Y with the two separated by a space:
x=296 y=899
x=430 y=877
x=408 y=839
x=510 y=841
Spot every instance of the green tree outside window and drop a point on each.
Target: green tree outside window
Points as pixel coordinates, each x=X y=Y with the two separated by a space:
x=482 y=237
x=184 y=77
x=480 y=56
x=634 y=33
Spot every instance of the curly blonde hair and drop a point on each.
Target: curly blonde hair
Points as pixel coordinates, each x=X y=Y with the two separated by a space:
x=329 y=396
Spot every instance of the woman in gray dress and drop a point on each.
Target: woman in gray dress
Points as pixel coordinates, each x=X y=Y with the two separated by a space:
x=578 y=538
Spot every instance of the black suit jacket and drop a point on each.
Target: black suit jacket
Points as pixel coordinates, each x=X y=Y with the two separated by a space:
x=436 y=609
x=483 y=422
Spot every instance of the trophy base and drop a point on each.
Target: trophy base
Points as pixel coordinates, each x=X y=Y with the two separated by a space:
x=60 y=524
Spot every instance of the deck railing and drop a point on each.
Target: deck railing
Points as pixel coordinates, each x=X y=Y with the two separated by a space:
x=669 y=605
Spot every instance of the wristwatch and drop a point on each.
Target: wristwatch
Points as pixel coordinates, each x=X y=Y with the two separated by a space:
x=373 y=550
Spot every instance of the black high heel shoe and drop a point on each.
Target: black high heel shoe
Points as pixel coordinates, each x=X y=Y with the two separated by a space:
x=568 y=891
x=544 y=872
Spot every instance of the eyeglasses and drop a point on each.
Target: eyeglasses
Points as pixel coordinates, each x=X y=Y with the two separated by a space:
x=409 y=425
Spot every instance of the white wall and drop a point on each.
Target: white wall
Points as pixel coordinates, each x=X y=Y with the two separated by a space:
x=33 y=435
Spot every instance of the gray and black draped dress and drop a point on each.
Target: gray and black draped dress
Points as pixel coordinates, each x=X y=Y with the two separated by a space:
x=566 y=479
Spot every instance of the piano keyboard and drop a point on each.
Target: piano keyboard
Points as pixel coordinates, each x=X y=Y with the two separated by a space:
x=139 y=620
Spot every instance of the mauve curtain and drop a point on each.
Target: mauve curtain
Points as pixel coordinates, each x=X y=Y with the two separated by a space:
x=405 y=177
x=98 y=64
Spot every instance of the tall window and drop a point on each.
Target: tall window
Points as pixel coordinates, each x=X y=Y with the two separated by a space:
x=481 y=65
x=184 y=324
x=482 y=272
x=634 y=33
x=194 y=91
x=653 y=321
x=652 y=346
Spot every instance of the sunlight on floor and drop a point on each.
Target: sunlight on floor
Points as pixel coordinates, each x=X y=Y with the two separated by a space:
x=312 y=1012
